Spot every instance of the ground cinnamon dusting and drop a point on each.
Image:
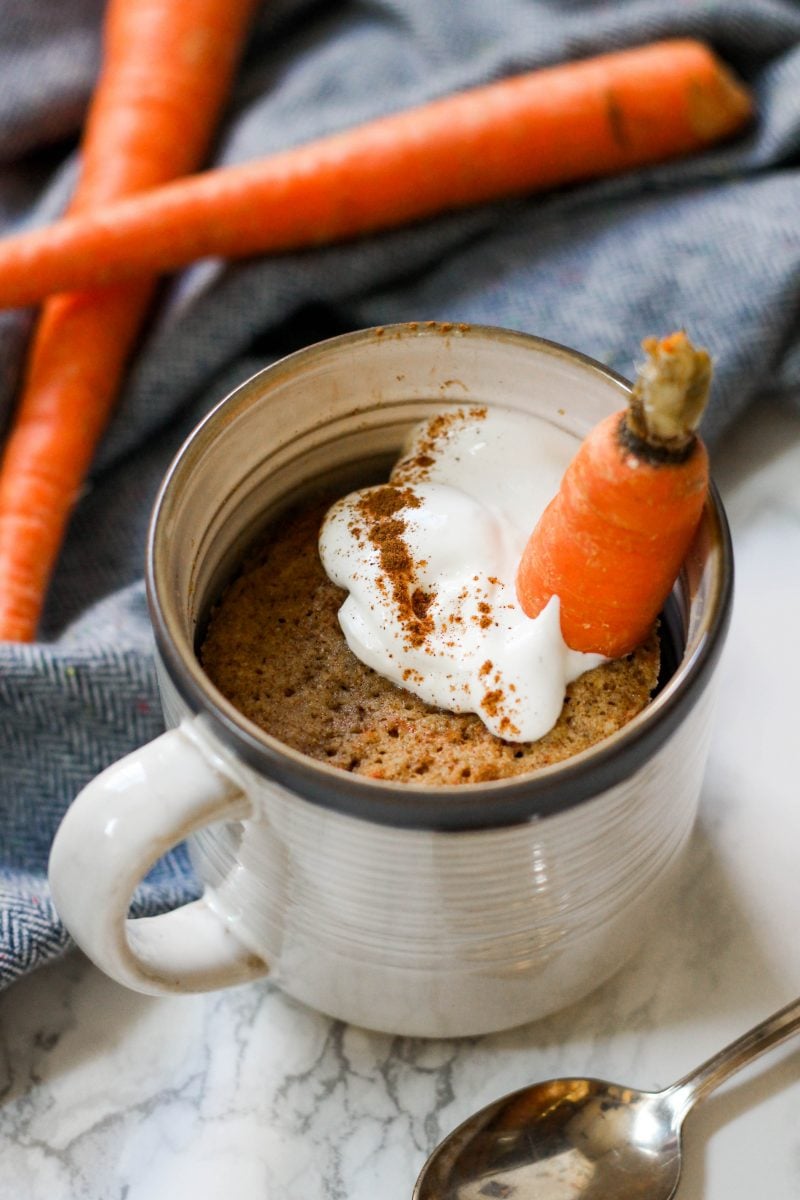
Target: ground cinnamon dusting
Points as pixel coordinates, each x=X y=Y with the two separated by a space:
x=485 y=618
x=384 y=528
x=492 y=701
x=415 y=467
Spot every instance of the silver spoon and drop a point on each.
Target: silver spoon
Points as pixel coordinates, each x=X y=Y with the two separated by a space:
x=584 y=1139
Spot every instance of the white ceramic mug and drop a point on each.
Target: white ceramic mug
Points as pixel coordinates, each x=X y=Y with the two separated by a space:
x=410 y=909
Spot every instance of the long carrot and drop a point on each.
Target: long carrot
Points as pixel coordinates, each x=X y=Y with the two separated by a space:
x=166 y=70
x=611 y=542
x=550 y=127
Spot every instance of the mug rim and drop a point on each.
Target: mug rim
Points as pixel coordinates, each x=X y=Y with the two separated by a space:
x=543 y=793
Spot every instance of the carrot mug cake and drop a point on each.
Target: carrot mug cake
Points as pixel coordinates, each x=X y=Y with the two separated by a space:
x=330 y=857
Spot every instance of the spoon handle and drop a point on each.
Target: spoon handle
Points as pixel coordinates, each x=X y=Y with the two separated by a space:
x=726 y=1062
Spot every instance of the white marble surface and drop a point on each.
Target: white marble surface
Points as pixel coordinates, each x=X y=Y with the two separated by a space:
x=109 y=1095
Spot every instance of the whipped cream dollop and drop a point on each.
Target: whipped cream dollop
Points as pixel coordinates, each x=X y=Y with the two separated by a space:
x=429 y=561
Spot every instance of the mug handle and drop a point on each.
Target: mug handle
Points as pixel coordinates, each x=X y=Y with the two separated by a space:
x=114 y=831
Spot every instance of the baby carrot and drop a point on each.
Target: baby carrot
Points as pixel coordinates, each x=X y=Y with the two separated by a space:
x=165 y=74
x=551 y=127
x=611 y=542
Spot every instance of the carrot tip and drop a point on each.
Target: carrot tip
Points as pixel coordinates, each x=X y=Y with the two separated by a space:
x=670 y=392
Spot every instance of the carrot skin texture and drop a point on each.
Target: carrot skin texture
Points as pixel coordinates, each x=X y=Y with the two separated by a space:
x=80 y=351
x=556 y=126
x=611 y=542
x=166 y=72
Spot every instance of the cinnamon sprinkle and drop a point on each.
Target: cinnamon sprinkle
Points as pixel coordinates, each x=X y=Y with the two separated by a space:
x=379 y=509
x=485 y=619
x=492 y=701
x=426 y=449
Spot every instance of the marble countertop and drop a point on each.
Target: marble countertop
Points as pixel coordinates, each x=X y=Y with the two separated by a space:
x=109 y=1095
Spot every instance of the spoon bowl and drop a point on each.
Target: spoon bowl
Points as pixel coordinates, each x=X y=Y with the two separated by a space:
x=584 y=1139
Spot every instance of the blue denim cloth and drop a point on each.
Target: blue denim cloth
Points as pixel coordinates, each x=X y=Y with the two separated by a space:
x=710 y=243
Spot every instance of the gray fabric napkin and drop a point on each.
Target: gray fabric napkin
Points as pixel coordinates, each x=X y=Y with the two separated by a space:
x=710 y=243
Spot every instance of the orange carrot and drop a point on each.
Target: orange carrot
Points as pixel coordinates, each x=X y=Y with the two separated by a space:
x=611 y=542
x=167 y=66
x=550 y=127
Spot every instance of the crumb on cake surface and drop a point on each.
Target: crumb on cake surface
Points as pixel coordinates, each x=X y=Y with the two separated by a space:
x=275 y=649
